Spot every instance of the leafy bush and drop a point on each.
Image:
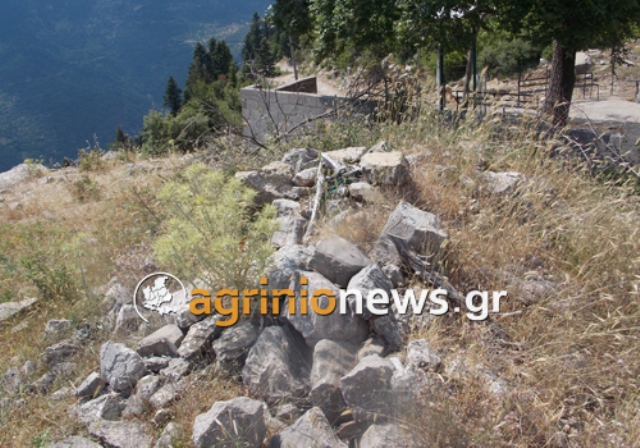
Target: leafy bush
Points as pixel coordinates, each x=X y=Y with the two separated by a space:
x=34 y=167
x=86 y=189
x=52 y=280
x=212 y=109
x=508 y=56
x=211 y=230
x=90 y=160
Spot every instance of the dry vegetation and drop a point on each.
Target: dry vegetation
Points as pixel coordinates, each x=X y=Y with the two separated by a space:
x=555 y=369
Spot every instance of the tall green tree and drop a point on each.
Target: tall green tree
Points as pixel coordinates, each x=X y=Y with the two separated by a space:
x=172 y=96
x=219 y=59
x=252 y=39
x=572 y=25
x=264 y=59
x=257 y=53
x=198 y=70
x=293 y=18
x=361 y=24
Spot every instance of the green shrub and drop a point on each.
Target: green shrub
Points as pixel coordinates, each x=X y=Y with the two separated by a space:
x=506 y=56
x=212 y=109
x=34 y=167
x=90 y=160
x=86 y=189
x=41 y=440
x=53 y=280
x=211 y=230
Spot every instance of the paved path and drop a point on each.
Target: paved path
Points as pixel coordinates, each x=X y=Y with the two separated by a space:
x=607 y=110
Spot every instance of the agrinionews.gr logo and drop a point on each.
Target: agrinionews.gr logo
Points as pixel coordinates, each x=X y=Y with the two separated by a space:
x=161 y=293
x=158 y=295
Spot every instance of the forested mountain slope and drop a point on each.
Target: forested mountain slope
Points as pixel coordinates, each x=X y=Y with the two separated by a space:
x=70 y=69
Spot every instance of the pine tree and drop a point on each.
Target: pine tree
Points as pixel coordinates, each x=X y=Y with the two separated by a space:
x=122 y=139
x=233 y=75
x=172 y=96
x=264 y=57
x=221 y=59
x=198 y=70
x=292 y=20
x=252 y=39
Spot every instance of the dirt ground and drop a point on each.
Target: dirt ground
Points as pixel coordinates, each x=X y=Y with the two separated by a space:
x=325 y=86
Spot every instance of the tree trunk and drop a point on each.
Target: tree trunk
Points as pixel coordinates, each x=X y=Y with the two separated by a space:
x=467 y=78
x=563 y=78
x=293 y=58
x=440 y=79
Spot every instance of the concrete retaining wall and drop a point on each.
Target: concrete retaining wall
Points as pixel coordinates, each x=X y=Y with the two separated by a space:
x=268 y=112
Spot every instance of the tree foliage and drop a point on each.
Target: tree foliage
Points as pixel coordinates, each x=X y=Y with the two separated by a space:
x=292 y=17
x=573 y=26
x=259 y=51
x=211 y=104
x=211 y=232
x=172 y=96
x=367 y=25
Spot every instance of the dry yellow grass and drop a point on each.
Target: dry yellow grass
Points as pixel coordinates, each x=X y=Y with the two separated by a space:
x=569 y=362
x=94 y=240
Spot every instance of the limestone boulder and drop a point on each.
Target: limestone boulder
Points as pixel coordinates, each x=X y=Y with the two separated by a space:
x=10 y=309
x=386 y=168
x=163 y=342
x=362 y=191
x=367 y=387
x=234 y=423
x=120 y=366
x=90 y=386
x=331 y=361
x=421 y=231
x=500 y=183
x=287 y=260
x=233 y=346
x=349 y=155
x=338 y=260
x=278 y=366
x=198 y=340
x=386 y=435
x=310 y=430
x=313 y=327
x=367 y=280
x=121 y=434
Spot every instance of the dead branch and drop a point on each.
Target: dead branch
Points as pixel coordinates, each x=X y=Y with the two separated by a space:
x=317 y=200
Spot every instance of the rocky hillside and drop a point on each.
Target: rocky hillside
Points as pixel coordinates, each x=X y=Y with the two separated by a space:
x=475 y=207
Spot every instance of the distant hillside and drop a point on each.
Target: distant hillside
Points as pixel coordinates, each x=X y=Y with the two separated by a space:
x=73 y=68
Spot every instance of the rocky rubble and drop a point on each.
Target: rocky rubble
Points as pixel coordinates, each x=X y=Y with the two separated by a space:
x=314 y=380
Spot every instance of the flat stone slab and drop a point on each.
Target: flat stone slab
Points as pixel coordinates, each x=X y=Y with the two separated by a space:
x=347 y=155
x=163 y=342
x=121 y=434
x=10 y=309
